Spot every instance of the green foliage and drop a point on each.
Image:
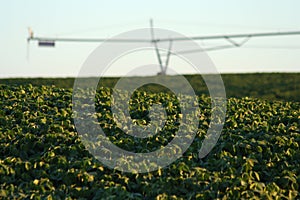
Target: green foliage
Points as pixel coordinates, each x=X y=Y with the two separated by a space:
x=42 y=157
x=269 y=86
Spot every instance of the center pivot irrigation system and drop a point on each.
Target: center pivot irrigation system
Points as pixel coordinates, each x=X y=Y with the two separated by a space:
x=50 y=42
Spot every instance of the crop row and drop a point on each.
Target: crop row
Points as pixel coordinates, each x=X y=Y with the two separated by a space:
x=42 y=156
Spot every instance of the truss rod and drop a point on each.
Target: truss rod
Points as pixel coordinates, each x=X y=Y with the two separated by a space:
x=210 y=37
x=87 y=40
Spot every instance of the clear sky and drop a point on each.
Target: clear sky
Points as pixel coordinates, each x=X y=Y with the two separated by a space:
x=56 y=18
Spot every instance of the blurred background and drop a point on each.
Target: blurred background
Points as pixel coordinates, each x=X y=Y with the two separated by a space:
x=103 y=19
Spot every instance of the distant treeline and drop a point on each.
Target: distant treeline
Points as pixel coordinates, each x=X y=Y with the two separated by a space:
x=270 y=86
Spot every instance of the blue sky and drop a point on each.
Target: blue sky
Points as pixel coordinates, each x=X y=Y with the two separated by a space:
x=103 y=19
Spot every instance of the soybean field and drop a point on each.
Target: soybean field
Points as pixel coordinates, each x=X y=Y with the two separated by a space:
x=256 y=157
